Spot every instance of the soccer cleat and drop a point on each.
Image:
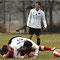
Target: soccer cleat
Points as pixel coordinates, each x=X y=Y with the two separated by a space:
x=53 y=48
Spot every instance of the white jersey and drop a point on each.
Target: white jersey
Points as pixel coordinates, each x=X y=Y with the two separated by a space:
x=35 y=18
x=18 y=42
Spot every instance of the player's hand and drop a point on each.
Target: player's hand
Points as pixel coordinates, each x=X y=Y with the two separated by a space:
x=34 y=56
x=25 y=56
x=44 y=28
x=4 y=56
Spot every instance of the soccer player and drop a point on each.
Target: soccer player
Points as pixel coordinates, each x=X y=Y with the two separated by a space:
x=16 y=44
x=35 y=17
x=19 y=47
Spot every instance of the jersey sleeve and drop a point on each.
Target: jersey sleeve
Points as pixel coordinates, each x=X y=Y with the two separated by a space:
x=36 y=47
x=44 y=19
x=29 y=18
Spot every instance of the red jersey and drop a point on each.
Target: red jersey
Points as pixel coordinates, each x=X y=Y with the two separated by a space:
x=10 y=54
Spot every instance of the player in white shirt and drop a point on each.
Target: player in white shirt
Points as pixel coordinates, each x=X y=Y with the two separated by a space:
x=35 y=17
x=19 y=47
x=16 y=44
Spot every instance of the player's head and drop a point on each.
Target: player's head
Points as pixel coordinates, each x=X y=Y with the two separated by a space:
x=5 y=48
x=37 y=5
x=27 y=44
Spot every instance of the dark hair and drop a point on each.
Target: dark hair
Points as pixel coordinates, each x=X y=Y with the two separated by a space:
x=4 y=48
x=27 y=44
x=38 y=3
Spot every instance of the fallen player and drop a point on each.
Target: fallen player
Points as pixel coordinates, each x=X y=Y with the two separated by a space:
x=19 y=47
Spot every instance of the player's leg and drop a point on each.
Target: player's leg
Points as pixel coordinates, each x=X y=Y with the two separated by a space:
x=31 y=32
x=38 y=39
x=44 y=48
x=37 y=32
x=30 y=36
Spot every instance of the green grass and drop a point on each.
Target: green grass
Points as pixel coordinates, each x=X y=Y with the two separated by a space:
x=50 y=40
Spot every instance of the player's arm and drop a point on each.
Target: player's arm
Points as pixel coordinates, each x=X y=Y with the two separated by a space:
x=7 y=54
x=19 y=54
x=36 y=50
x=29 y=18
x=44 y=21
x=36 y=47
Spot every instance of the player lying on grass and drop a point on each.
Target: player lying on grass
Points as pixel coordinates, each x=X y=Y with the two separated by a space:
x=19 y=47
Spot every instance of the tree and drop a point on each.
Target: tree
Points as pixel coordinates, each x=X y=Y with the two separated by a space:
x=24 y=11
x=51 y=5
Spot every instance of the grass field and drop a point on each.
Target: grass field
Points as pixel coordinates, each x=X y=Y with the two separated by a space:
x=50 y=40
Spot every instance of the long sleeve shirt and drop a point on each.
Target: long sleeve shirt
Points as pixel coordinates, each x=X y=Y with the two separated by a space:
x=35 y=18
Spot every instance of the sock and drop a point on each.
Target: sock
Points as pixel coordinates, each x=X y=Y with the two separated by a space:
x=43 y=48
x=38 y=41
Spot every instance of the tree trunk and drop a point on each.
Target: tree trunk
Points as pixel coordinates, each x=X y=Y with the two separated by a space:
x=51 y=15
x=4 y=13
x=24 y=18
x=51 y=18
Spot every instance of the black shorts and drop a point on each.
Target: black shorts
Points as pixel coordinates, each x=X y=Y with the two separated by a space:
x=34 y=31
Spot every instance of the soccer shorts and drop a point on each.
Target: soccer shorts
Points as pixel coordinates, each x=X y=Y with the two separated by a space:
x=34 y=31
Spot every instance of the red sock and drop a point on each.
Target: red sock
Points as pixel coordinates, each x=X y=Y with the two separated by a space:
x=42 y=48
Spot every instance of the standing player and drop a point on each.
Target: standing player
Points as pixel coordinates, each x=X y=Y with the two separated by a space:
x=35 y=17
x=20 y=47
